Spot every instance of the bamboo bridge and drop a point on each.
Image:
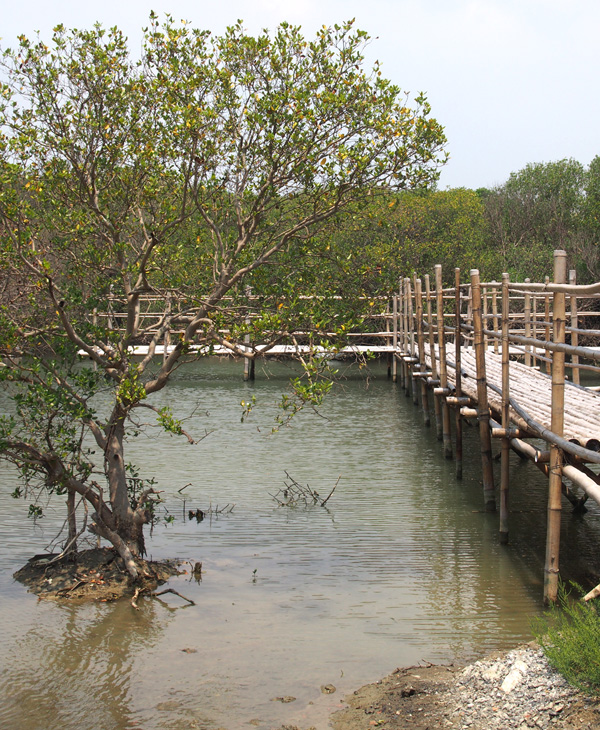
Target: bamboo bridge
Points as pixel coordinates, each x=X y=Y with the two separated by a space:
x=497 y=352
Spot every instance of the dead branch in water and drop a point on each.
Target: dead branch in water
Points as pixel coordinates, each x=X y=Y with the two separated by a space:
x=138 y=591
x=293 y=493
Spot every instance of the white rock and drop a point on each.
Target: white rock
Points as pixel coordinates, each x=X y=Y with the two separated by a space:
x=515 y=675
x=492 y=673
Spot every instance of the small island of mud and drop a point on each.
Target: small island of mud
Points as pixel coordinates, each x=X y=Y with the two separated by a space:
x=90 y=575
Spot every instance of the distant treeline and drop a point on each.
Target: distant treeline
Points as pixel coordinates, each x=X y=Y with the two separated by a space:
x=512 y=228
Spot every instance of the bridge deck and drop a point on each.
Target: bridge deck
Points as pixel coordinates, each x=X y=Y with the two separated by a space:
x=531 y=389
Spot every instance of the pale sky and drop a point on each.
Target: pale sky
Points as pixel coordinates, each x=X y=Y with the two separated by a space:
x=512 y=81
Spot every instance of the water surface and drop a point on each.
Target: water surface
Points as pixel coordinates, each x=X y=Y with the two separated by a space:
x=401 y=566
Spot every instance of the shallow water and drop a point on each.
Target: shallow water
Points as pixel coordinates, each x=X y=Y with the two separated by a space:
x=401 y=566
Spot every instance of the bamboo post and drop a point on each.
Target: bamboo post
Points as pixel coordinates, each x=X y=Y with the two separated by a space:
x=484 y=294
x=413 y=329
x=548 y=353
x=395 y=338
x=527 y=317
x=421 y=346
x=495 y=315
x=411 y=314
x=534 y=328
x=95 y=323
x=388 y=337
x=505 y=454
x=574 y=335
x=409 y=337
x=458 y=381
x=551 y=568
x=166 y=344
x=401 y=329
x=167 y=335
x=248 y=362
x=483 y=412
x=446 y=433
x=405 y=368
x=434 y=370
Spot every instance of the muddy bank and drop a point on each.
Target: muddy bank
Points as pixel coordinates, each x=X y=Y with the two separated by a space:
x=512 y=691
x=90 y=575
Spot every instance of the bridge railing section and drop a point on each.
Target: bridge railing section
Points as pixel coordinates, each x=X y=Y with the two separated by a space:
x=547 y=327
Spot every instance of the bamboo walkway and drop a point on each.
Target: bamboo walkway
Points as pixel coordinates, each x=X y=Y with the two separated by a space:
x=532 y=390
x=509 y=355
x=497 y=353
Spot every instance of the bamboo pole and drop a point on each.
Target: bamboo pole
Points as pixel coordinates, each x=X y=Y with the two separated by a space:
x=547 y=320
x=409 y=336
x=94 y=322
x=505 y=454
x=527 y=317
x=458 y=375
x=411 y=313
x=483 y=410
x=495 y=315
x=446 y=432
x=484 y=295
x=389 y=338
x=551 y=569
x=413 y=328
x=434 y=369
x=574 y=336
x=401 y=327
x=395 y=337
x=248 y=362
x=405 y=368
x=421 y=346
x=534 y=328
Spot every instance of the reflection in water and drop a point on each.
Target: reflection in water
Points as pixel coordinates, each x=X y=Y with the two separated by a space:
x=74 y=666
x=401 y=566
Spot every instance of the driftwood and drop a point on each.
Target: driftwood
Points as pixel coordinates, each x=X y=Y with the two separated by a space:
x=139 y=591
x=293 y=493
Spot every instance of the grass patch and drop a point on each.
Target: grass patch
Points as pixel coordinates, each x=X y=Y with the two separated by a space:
x=569 y=634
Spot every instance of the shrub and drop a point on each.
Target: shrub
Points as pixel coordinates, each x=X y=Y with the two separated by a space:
x=569 y=634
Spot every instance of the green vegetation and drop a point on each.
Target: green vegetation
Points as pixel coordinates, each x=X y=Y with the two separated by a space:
x=218 y=191
x=570 y=638
x=545 y=206
x=212 y=178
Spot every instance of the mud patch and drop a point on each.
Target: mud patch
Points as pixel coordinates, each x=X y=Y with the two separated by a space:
x=408 y=698
x=90 y=575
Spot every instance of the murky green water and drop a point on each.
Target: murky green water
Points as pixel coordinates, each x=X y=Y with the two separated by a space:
x=401 y=567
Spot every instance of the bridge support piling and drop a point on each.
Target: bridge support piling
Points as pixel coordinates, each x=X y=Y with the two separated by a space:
x=406 y=343
x=458 y=376
x=434 y=369
x=421 y=347
x=412 y=294
x=483 y=411
x=505 y=455
x=395 y=338
x=441 y=334
x=551 y=568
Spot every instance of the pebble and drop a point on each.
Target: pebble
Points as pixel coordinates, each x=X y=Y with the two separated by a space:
x=517 y=691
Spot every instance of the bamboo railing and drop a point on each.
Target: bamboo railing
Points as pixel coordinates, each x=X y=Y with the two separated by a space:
x=505 y=361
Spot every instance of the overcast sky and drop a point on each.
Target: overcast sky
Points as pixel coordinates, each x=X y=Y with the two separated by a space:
x=512 y=81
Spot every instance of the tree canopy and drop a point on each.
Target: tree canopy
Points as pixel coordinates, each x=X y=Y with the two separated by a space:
x=186 y=178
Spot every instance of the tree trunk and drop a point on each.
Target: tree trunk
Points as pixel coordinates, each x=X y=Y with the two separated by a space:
x=126 y=534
